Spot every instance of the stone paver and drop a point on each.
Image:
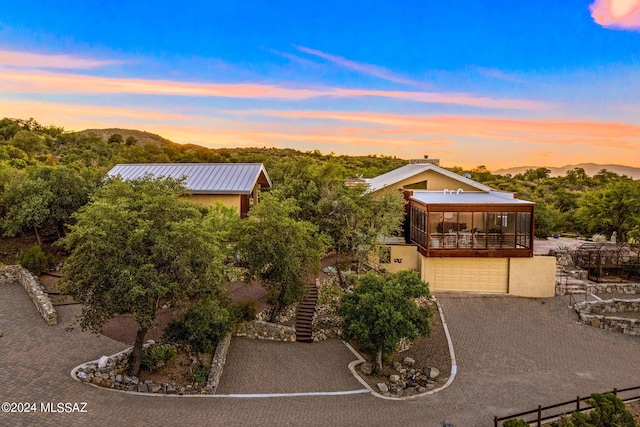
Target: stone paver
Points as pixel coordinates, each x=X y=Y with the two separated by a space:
x=283 y=367
x=512 y=354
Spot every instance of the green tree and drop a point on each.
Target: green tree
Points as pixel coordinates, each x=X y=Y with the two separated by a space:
x=26 y=206
x=136 y=246
x=116 y=138
x=613 y=207
x=130 y=141
x=279 y=250
x=355 y=219
x=382 y=310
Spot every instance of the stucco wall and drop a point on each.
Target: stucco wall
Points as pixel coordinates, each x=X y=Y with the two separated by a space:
x=532 y=277
x=435 y=182
x=403 y=257
x=230 y=200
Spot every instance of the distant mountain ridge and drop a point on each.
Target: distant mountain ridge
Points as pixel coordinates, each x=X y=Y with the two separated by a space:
x=590 y=168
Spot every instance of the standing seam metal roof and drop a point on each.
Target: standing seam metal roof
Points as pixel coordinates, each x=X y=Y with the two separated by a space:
x=201 y=178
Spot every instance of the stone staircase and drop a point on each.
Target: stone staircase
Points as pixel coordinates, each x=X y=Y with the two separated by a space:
x=304 y=316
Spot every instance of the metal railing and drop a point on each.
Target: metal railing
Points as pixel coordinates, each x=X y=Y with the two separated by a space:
x=542 y=412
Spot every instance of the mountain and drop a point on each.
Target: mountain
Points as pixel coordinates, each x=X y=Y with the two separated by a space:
x=590 y=168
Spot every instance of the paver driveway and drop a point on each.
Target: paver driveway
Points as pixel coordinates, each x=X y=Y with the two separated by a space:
x=512 y=354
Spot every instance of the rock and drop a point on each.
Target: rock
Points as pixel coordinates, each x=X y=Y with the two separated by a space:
x=397 y=366
x=394 y=378
x=366 y=368
x=119 y=378
x=82 y=375
x=595 y=322
x=142 y=388
x=422 y=377
x=432 y=373
x=154 y=388
x=134 y=380
x=383 y=387
x=420 y=389
x=170 y=389
x=399 y=391
x=132 y=387
x=126 y=379
x=403 y=371
x=102 y=362
x=409 y=361
x=147 y=382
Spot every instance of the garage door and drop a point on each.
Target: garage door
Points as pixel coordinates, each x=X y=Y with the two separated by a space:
x=489 y=275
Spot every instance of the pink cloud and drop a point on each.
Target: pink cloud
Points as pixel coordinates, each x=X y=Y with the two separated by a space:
x=54 y=83
x=619 y=14
x=39 y=60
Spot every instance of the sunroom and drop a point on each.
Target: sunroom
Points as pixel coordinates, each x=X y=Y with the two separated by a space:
x=471 y=224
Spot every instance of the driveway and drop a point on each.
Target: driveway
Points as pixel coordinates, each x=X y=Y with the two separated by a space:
x=512 y=354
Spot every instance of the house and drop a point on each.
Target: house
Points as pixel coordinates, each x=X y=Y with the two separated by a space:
x=237 y=185
x=464 y=236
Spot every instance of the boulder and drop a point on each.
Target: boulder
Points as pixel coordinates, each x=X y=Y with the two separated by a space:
x=409 y=361
x=394 y=378
x=383 y=387
x=432 y=373
x=102 y=362
x=366 y=368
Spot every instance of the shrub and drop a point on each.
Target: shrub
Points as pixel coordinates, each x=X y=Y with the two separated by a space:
x=329 y=295
x=157 y=356
x=515 y=422
x=599 y=238
x=608 y=410
x=201 y=327
x=246 y=310
x=199 y=375
x=35 y=259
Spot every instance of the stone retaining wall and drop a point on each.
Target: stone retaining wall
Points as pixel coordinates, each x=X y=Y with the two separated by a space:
x=15 y=273
x=610 y=315
x=217 y=363
x=615 y=288
x=258 y=329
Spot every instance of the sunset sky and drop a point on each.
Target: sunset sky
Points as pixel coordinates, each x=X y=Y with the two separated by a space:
x=500 y=83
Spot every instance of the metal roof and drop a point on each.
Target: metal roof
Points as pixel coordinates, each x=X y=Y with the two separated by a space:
x=467 y=198
x=201 y=178
x=407 y=171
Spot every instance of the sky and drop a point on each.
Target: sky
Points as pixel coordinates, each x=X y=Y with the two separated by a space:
x=500 y=83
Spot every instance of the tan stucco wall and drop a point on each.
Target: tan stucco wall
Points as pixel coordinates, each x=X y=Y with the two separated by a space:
x=465 y=274
x=435 y=182
x=230 y=200
x=403 y=257
x=532 y=277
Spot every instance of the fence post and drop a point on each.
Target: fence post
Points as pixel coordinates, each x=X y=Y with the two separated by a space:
x=539 y=415
x=495 y=421
x=578 y=403
x=615 y=391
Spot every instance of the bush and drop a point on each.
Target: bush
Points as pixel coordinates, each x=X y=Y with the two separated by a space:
x=201 y=327
x=199 y=375
x=329 y=295
x=608 y=410
x=515 y=422
x=35 y=260
x=246 y=310
x=156 y=357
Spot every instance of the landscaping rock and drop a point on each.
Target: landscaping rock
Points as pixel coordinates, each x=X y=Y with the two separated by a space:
x=142 y=388
x=119 y=378
x=397 y=366
x=394 y=378
x=409 y=361
x=102 y=362
x=432 y=373
x=383 y=387
x=154 y=388
x=366 y=368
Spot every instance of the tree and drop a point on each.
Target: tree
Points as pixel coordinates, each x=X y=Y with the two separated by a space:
x=355 y=219
x=382 y=310
x=116 y=138
x=613 y=207
x=279 y=250
x=137 y=245
x=26 y=206
x=130 y=141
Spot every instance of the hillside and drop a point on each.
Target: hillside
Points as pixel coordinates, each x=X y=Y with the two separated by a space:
x=590 y=168
x=142 y=137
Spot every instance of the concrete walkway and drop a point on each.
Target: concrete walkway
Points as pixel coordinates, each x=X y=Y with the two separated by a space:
x=512 y=354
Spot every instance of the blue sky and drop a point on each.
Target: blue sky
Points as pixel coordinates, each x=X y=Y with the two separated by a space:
x=501 y=84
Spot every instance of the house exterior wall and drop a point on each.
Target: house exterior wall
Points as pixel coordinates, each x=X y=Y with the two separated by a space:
x=526 y=277
x=403 y=257
x=229 y=200
x=435 y=182
x=532 y=277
